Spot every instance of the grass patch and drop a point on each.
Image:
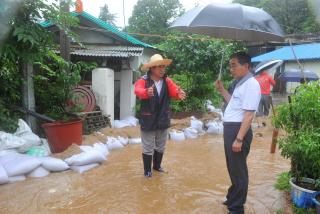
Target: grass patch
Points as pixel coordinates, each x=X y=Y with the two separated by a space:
x=283 y=182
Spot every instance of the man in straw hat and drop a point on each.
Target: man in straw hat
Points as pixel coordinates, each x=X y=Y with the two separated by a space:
x=155 y=90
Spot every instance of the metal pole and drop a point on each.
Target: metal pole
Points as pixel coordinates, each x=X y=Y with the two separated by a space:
x=64 y=40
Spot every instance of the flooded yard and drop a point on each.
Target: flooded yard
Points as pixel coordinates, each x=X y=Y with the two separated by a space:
x=196 y=182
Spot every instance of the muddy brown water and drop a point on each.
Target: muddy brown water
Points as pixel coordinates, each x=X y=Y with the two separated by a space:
x=196 y=183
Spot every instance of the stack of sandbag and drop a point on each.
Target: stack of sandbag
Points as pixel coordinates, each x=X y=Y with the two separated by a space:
x=17 y=166
x=190 y=133
x=91 y=157
x=214 y=127
x=114 y=143
x=211 y=108
x=197 y=125
x=126 y=122
x=22 y=140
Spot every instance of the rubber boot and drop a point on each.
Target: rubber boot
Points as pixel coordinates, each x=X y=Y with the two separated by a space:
x=147 y=161
x=157 y=159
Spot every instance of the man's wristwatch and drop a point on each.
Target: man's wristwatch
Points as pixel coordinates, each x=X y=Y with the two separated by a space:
x=239 y=140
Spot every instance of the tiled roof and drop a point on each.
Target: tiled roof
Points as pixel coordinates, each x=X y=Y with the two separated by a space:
x=105 y=26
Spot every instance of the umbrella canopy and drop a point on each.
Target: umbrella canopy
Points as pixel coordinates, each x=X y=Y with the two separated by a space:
x=267 y=65
x=295 y=75
x=230 y=21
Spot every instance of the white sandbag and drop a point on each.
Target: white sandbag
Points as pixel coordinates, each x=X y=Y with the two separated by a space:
x=102 y=148
x=8 y=151
x=19 y=164
x=3 y=175
x=53 y=164
x=123 y=140
x=177 y=135
x=215 y=127
x=135 y=141
x=17 y=178
x=81 y=169
x=131 y=121
x=85 y=158
x=10 y=141
x=39 y=172
x=113 y=144
x=196 y=124
x=85 y=148
x=25 y=132
x=118 y=124
x=190 y=133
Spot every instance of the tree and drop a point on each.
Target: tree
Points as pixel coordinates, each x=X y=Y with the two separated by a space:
x=153 y=17
x=106 y=16
x=196 y=67
x=294 y=16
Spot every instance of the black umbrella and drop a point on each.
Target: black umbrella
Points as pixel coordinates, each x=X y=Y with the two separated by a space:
x=295 y=75
x=230 y=21
x=267 y=65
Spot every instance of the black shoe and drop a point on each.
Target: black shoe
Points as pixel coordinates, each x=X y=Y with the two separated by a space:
x=157 y=159
x=147 y=161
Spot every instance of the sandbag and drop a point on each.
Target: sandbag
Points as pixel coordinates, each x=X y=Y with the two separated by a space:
x=25 y=132
x=124 y=141
x=85 y=158
x=131 y=121
x=37 y=151
x=17 y=178
x=39 y=172
x=19 y=164
x=113 y=143
x=177 y=135
x=53 y=164
x=190 y=132
x=81 y=169
x=102 y=148
x=3 y=175
x=196 y=124
x=10 y=141
x=135 y=141
x=215 y=127
x=119 y=124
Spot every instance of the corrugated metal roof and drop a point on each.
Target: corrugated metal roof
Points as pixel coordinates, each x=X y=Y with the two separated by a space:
x=105 y=26
x=111 y=51
x=303 y=52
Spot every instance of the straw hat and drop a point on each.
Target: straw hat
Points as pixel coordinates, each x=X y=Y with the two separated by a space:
x=156 y=60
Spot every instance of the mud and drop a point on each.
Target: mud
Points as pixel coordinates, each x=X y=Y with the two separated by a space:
x=196 y=182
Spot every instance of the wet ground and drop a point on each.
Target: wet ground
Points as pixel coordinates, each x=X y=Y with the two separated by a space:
x=196 y=183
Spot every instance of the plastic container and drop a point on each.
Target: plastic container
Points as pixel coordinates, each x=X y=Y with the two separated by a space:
x=61 y=135
x=316 y=202
x=301 y=197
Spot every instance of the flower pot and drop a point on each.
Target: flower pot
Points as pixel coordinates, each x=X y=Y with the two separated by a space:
x=302 y=197
x=61 y=135
x=316 y=201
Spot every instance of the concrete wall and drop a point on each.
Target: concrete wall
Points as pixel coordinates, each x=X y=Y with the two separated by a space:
x=103 y=89
x=313 y=66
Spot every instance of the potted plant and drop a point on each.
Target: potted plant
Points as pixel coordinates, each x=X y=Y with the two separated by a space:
x=300 y=119
x=54 y=82
x=316 y=201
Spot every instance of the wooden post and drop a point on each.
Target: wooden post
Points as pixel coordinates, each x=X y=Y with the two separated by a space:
x=275 y=131
x=28 y=100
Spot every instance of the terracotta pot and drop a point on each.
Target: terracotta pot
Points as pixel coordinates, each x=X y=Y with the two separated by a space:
x=61 y=135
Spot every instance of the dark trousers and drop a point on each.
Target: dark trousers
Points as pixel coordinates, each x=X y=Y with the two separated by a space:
x=264 y=105
x=237 y=167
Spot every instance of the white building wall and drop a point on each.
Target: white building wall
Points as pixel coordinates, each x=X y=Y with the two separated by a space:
x=103 y=89
x=127 y=97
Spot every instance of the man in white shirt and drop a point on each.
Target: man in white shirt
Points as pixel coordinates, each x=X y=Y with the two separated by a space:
x=238 y=116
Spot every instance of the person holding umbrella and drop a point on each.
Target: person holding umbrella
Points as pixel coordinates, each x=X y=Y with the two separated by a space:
x=237 y=134
x=155 y=90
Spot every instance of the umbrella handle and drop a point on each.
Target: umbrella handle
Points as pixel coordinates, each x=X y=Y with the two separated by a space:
x=221 y=62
